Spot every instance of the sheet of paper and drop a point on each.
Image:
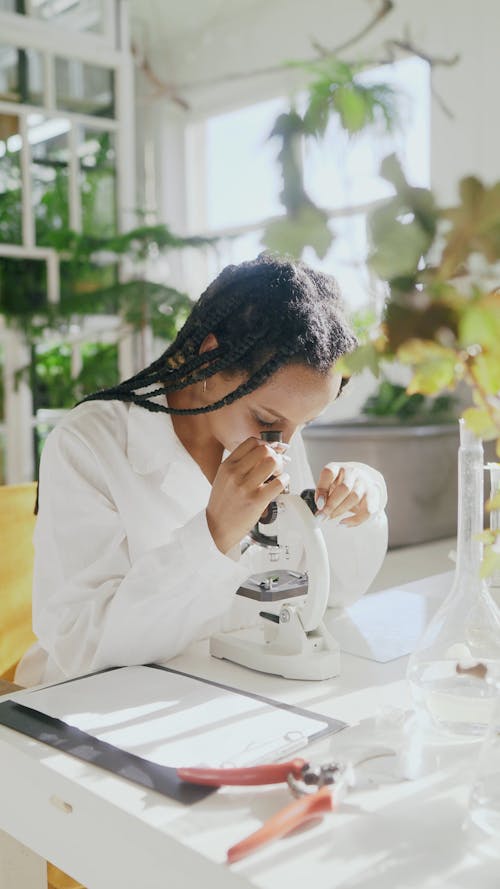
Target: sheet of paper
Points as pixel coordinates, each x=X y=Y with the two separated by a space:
x=173 y=720
x=387 y=625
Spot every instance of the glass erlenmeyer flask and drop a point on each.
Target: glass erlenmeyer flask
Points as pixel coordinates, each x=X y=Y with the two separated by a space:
x=461 y=645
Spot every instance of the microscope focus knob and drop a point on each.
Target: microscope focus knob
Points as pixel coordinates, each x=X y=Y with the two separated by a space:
x=308 y=496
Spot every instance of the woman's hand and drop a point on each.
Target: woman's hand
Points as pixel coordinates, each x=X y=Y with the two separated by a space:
x=239 y=493
x=342 y=489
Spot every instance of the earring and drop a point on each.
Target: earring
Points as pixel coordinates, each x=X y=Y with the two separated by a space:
x=204 y=387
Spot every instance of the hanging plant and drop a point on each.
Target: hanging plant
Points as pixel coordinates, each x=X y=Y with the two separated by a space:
x=335 y=92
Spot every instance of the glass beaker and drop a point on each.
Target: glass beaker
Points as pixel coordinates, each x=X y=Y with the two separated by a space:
x=461 y=646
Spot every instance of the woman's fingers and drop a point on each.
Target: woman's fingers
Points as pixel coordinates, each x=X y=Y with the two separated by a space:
x=343 y=490
x=245 y=484
x=258 y=465
x=329 y=474
x=360 y=514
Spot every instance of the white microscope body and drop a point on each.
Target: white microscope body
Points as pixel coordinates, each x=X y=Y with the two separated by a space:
x=293 y=641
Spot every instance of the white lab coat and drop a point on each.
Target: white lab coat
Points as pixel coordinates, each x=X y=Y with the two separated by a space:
x=126 y=570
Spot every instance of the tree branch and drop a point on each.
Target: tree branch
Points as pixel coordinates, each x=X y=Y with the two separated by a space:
x=386 y=7
x=172 y=92
x=165 y=90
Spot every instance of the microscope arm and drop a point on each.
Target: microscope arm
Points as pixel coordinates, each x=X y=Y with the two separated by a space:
x=312 y=612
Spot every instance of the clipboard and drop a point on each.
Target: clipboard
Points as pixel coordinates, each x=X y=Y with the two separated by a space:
x=143 y=722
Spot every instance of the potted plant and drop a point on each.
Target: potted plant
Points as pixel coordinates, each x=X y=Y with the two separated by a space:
x=412 y=440
x=442 y=317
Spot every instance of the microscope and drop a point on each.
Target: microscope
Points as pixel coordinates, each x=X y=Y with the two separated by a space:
x=291 y=639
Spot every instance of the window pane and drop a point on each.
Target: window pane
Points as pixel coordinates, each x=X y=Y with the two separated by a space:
x=89 y=288
x=242 y=173
x=232 y=251
x=23 y=288
x=11 y=225
x=342 y=171
x=21 y=75
x=87 y=89
x=99 y=367
x=346 y=261
x=98 y=182
x=77 y=15
x=48 y=138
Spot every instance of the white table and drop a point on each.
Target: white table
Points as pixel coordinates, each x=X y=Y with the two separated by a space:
x=111 y=834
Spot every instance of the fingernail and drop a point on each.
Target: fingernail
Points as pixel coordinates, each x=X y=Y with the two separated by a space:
x=320 y=517
x=320 y=502
x=286 y=458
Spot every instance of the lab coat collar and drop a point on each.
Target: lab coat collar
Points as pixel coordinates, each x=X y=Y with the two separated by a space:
x=151 y=440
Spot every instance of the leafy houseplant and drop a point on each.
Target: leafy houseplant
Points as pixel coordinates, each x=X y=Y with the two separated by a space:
x=442 y=317
x=335 y=90
x=91 y=280
x=392 y=402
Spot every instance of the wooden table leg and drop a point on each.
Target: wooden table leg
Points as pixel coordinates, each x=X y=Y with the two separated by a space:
x=19 y=866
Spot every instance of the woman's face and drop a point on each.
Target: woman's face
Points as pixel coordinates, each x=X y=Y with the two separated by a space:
x=292 y=397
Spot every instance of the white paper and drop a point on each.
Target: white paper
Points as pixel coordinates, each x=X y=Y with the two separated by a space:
x=387 y=625
x=174 y=720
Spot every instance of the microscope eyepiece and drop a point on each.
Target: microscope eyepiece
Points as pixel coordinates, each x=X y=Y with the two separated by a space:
x=271 y=435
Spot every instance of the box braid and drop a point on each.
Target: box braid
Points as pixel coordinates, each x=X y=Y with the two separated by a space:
x=265 y=313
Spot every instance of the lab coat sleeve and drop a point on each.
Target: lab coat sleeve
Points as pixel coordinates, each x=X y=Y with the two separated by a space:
x=355 y=554
x=103 y=610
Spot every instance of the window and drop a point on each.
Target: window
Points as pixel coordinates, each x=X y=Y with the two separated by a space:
x=341 y=175
x=21 y=75
x=62 y=141
x=243 y=180
x=75 y=15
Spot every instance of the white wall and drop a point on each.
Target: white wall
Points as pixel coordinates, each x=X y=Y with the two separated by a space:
x=269 y=33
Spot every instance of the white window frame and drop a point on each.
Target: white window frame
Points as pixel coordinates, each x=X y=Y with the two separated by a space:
x=109 y=49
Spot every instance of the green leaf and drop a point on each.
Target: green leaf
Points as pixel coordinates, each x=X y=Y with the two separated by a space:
x=493 y=502
x=416 y=351
x=490 y=563
x=352 y=107
x=475 y=225
x=481 y=423
x=308 y=227
x=362 y=357
x=398 y=245
x=434 y=366
x=433 y=376
x=485 y=368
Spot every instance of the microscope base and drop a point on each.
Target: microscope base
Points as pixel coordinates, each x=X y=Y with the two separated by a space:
x=317 y=658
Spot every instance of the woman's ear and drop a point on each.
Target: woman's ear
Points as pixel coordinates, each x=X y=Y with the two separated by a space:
x=210 y=342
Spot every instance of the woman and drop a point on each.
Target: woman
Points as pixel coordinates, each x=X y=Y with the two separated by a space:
x=148 y=489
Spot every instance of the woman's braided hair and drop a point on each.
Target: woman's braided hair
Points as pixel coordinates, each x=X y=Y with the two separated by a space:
x=265 y=313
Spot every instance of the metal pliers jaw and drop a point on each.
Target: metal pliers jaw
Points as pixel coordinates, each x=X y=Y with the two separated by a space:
x=314 y=777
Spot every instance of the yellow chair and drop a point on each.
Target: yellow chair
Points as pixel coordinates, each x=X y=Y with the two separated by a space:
x=17 y=522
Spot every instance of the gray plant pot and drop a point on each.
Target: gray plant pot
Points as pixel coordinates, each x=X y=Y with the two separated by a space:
x=418 y=462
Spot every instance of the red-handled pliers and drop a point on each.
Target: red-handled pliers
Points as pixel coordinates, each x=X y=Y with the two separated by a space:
x=297 y=773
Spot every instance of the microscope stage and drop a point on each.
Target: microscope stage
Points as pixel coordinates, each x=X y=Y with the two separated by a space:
x=272 y=586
